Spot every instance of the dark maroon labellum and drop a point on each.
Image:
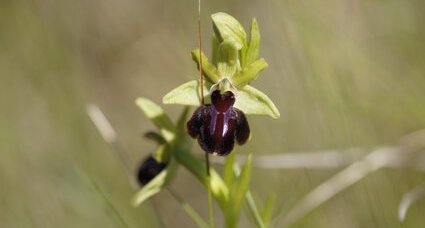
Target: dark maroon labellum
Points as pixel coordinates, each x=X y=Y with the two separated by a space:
x=149 y=169
x=218 y=125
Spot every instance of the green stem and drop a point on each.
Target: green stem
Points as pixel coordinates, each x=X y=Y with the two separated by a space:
x=214 y=182
x=210 y=203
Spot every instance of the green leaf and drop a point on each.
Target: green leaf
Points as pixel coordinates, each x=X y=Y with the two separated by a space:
x=253 y=49
x=186 y=94
x=249 y=73
x=157 y=115
x=155 y=185
x=209 y=71
x=238 y=194
x=267 y=211
x=241 y=185
x=228 y=170
x=228 y=28
x=255 y=102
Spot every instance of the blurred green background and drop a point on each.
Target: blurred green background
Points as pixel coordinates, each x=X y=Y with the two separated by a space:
x=344 y=74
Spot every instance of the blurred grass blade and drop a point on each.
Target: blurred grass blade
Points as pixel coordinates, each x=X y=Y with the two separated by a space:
x=102 y=124
x=249 y=73
x=185 y=94
x=189 y=209
x=157 y=115
x=209 y=70
x=267 y=211
x=408 y=199
x=87 y=177
x=339 y=182
x=252 y=206
x=255 y=102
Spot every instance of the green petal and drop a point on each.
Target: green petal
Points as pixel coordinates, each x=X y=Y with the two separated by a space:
x=250 y=73
x=255 y=102
x=210 y=72
x=227 y=27
x=186 y=94
x=157 y=115
x=254 y=44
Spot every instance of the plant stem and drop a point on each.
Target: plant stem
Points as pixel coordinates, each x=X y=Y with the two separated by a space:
x=210 y=203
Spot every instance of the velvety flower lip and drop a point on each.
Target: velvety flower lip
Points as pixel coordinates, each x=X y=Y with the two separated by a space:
x=219 y=124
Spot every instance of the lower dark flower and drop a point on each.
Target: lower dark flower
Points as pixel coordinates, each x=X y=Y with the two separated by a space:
x=218 y=125
x=148 y=170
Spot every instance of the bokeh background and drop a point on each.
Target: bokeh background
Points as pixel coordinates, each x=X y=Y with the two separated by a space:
x=343 y=74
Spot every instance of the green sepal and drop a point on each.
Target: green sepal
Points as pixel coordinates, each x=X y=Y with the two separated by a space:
x=227 y=58
x=254 y=102
x=249 y=73
x=209 y=70
x=227 y=28
x=157 y=115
